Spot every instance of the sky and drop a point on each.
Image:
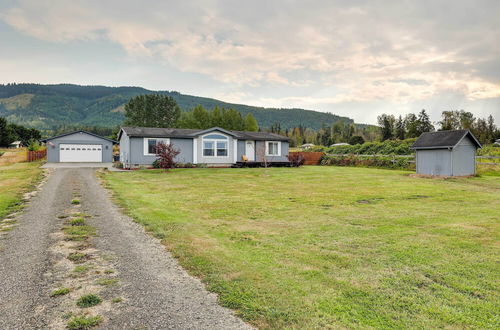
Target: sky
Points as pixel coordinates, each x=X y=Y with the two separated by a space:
x=352 y=58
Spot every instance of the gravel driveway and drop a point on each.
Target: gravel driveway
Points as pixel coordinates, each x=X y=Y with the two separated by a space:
x=157 y=293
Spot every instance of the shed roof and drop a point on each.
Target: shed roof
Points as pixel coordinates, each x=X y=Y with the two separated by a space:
x=443 y=139
x=74 y=132
x=191 y=133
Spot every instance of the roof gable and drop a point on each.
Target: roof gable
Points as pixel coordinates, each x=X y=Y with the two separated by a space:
x=76 y=132
x=444 y=139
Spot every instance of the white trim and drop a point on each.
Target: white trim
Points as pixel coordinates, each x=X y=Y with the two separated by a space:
x=195 y=151
x=146 y=144
x=250 y=155
x=279 y=149
x=235 y=151
x=215 y=145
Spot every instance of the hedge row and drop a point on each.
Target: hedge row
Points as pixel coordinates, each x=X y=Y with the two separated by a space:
x=372 y=161
x=388 y=147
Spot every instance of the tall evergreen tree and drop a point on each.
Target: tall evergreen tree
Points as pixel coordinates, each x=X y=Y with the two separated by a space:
x=424 y=123
x=152 y=110
x=400 y=128
x=411 y=125
x=386 y=123
x=251 y=123
x=6 y=134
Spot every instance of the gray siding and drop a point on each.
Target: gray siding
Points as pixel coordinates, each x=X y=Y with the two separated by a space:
x=124 y=148
x=79 y=138
x=464 y=158
x=222 y=161
x=241 y=150
x=137 y=156
x=260 y=152
x=434 y=162
x=459 y=161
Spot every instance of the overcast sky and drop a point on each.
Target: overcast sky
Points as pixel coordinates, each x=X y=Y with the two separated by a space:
x=352 y=58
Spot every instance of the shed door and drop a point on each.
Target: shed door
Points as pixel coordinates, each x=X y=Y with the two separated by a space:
x=89 y=153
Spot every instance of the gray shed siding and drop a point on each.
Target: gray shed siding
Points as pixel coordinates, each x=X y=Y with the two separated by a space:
x=434 y=162
x=459 y=161
x=79 y=138
x=137 y=156
x=464 y=158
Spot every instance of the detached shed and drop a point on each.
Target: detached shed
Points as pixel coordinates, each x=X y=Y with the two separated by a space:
x=446 y=153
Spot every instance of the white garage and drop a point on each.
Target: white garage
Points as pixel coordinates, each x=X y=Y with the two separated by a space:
x=80 y=153
x=79 y=147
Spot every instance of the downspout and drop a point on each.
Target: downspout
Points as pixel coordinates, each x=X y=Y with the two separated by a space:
x=451 y=160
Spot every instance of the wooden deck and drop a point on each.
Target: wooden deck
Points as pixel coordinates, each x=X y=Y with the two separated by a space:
x=262 y=164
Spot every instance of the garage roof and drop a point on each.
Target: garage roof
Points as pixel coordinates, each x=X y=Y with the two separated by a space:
x=79 y=131
x=443 y=139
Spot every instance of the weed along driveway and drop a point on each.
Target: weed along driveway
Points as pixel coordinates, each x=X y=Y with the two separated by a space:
x=74 y=261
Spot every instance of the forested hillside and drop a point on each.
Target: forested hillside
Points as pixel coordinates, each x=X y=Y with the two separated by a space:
x=49 y=106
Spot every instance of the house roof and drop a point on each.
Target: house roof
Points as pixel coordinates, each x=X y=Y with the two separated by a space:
x=443 y=139
x=79 y=131
x=191 y=133
x=16 y=142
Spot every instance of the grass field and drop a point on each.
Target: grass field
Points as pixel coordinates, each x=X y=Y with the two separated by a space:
x=319 y=247
x=16 y=178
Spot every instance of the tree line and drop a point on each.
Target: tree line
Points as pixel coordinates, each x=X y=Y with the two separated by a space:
x=413 y=125
x=10 y=132
x=156 y=110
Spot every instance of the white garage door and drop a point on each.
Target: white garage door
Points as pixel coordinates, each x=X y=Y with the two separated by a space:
x=80 y=153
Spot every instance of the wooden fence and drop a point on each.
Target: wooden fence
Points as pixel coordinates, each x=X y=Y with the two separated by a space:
x=36 y=155
x=311 y=158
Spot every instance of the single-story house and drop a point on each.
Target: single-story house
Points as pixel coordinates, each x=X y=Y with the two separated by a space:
x=79 y=146
x=340 y=144
x=214 y=146
x=15 y=145
x=306 y=146
x=446 y=153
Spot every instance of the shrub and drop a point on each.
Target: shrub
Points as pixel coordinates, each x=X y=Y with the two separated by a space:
x=166 y=154
x=364 y=161
x=59 y=292
x=83 y=322
x=33 y=145
x=356 y=139
x=388 y=147
x=88 y=300
x=156 y=163
x=77 y=222
x=296 y=159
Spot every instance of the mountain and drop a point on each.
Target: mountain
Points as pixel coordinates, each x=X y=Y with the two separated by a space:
x=49 y=106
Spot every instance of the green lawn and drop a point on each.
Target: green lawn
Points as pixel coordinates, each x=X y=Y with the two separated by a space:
x=15 y=179
x=318 y=247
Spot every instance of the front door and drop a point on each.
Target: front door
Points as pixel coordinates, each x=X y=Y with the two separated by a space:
x=250 y=150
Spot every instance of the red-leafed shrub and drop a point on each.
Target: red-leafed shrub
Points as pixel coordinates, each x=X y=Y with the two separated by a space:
x=166 y=154
x=297 y=159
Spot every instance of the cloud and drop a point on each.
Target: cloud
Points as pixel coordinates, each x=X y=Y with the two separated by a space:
x=359 y=51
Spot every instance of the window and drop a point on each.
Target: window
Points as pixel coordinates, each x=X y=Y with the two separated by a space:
x=215 y=145
x=150 y=145
x=221 y=149
x=272 y=148
x=208 y=148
